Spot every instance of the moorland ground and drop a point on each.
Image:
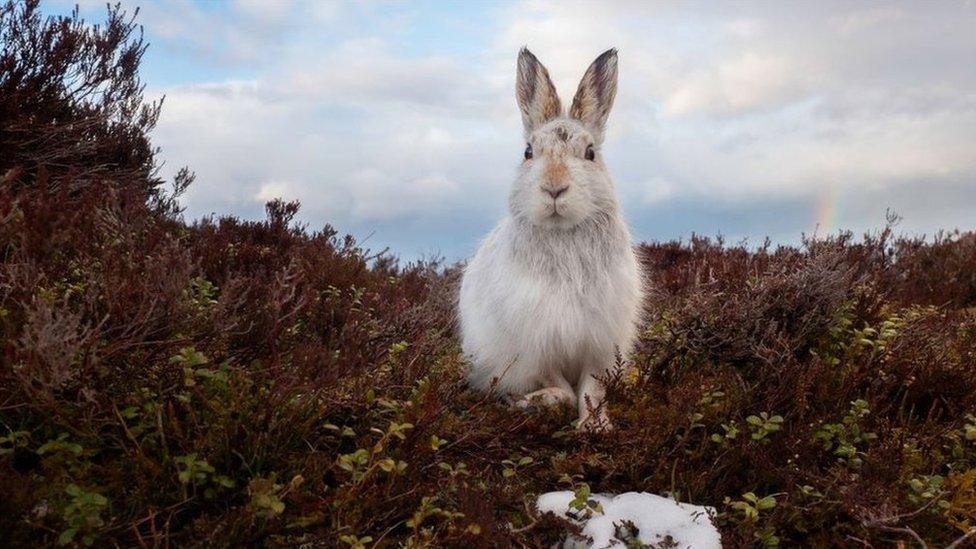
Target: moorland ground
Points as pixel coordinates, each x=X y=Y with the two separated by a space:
x=233 y=382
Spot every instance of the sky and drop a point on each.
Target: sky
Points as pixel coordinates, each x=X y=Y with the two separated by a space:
x=396 y=122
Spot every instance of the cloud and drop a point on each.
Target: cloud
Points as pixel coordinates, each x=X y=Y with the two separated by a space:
x=400 y=119
x=658 y=191
x=748 y=82
x=365 y=73
x=380 y=196
x=272 y=190
x=863 y=20
x=358 y=135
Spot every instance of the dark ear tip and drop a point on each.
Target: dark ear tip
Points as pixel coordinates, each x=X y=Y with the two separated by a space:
x=524 y=53
x=611 y=53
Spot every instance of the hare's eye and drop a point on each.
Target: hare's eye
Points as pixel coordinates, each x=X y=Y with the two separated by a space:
x=590 y=155
x=528 y=151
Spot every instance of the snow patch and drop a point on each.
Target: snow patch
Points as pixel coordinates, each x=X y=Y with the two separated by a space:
x=652 y=520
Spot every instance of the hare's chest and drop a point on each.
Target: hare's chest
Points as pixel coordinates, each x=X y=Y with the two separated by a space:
x=561 y=311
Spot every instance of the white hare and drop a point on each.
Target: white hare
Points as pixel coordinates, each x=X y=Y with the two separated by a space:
x=554 y=291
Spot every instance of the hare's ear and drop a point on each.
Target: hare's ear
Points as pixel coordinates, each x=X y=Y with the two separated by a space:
x=593 y=99
x=536 y=95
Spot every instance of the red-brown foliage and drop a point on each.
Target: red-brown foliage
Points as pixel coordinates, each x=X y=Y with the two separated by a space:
x=229 y=382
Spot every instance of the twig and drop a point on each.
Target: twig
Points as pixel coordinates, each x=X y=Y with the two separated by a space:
x=388 y=530
x=899 y=530
x=528 y=526
x=884 y=523
x=859 y=540
x=959 y=541
x=125 y=428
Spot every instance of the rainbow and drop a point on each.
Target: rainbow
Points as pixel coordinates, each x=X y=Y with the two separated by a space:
x=827 y=213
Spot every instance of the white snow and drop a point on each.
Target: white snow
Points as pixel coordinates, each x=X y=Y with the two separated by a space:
x=655 y=518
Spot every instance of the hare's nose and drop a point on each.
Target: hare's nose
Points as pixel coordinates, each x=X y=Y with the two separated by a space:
x=556 y=193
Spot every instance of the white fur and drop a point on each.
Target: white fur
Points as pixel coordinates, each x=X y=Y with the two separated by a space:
x=548 y=300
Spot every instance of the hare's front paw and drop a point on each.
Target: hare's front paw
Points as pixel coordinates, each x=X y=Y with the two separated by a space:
x=548 y=397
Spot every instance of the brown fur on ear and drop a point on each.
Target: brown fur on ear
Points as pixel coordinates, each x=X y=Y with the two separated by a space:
x=596 y=92
x=537 y=98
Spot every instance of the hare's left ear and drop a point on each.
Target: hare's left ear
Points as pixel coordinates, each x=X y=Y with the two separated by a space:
x=593 y=99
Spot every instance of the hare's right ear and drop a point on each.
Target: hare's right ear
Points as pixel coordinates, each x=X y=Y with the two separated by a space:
x=537 y=97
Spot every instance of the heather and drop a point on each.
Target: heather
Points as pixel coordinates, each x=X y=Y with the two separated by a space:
x=229 y=382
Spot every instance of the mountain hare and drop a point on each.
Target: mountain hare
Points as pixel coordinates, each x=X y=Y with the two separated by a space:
x=554 y=291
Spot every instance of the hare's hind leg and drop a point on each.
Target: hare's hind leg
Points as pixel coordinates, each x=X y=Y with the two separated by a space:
x=559 y=392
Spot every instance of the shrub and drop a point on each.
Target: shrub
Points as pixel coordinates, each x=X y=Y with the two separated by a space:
x=234 y=382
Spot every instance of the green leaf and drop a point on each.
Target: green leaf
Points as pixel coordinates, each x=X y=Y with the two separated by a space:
x=67 y=536
x=767 y=502
x=436 y=442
